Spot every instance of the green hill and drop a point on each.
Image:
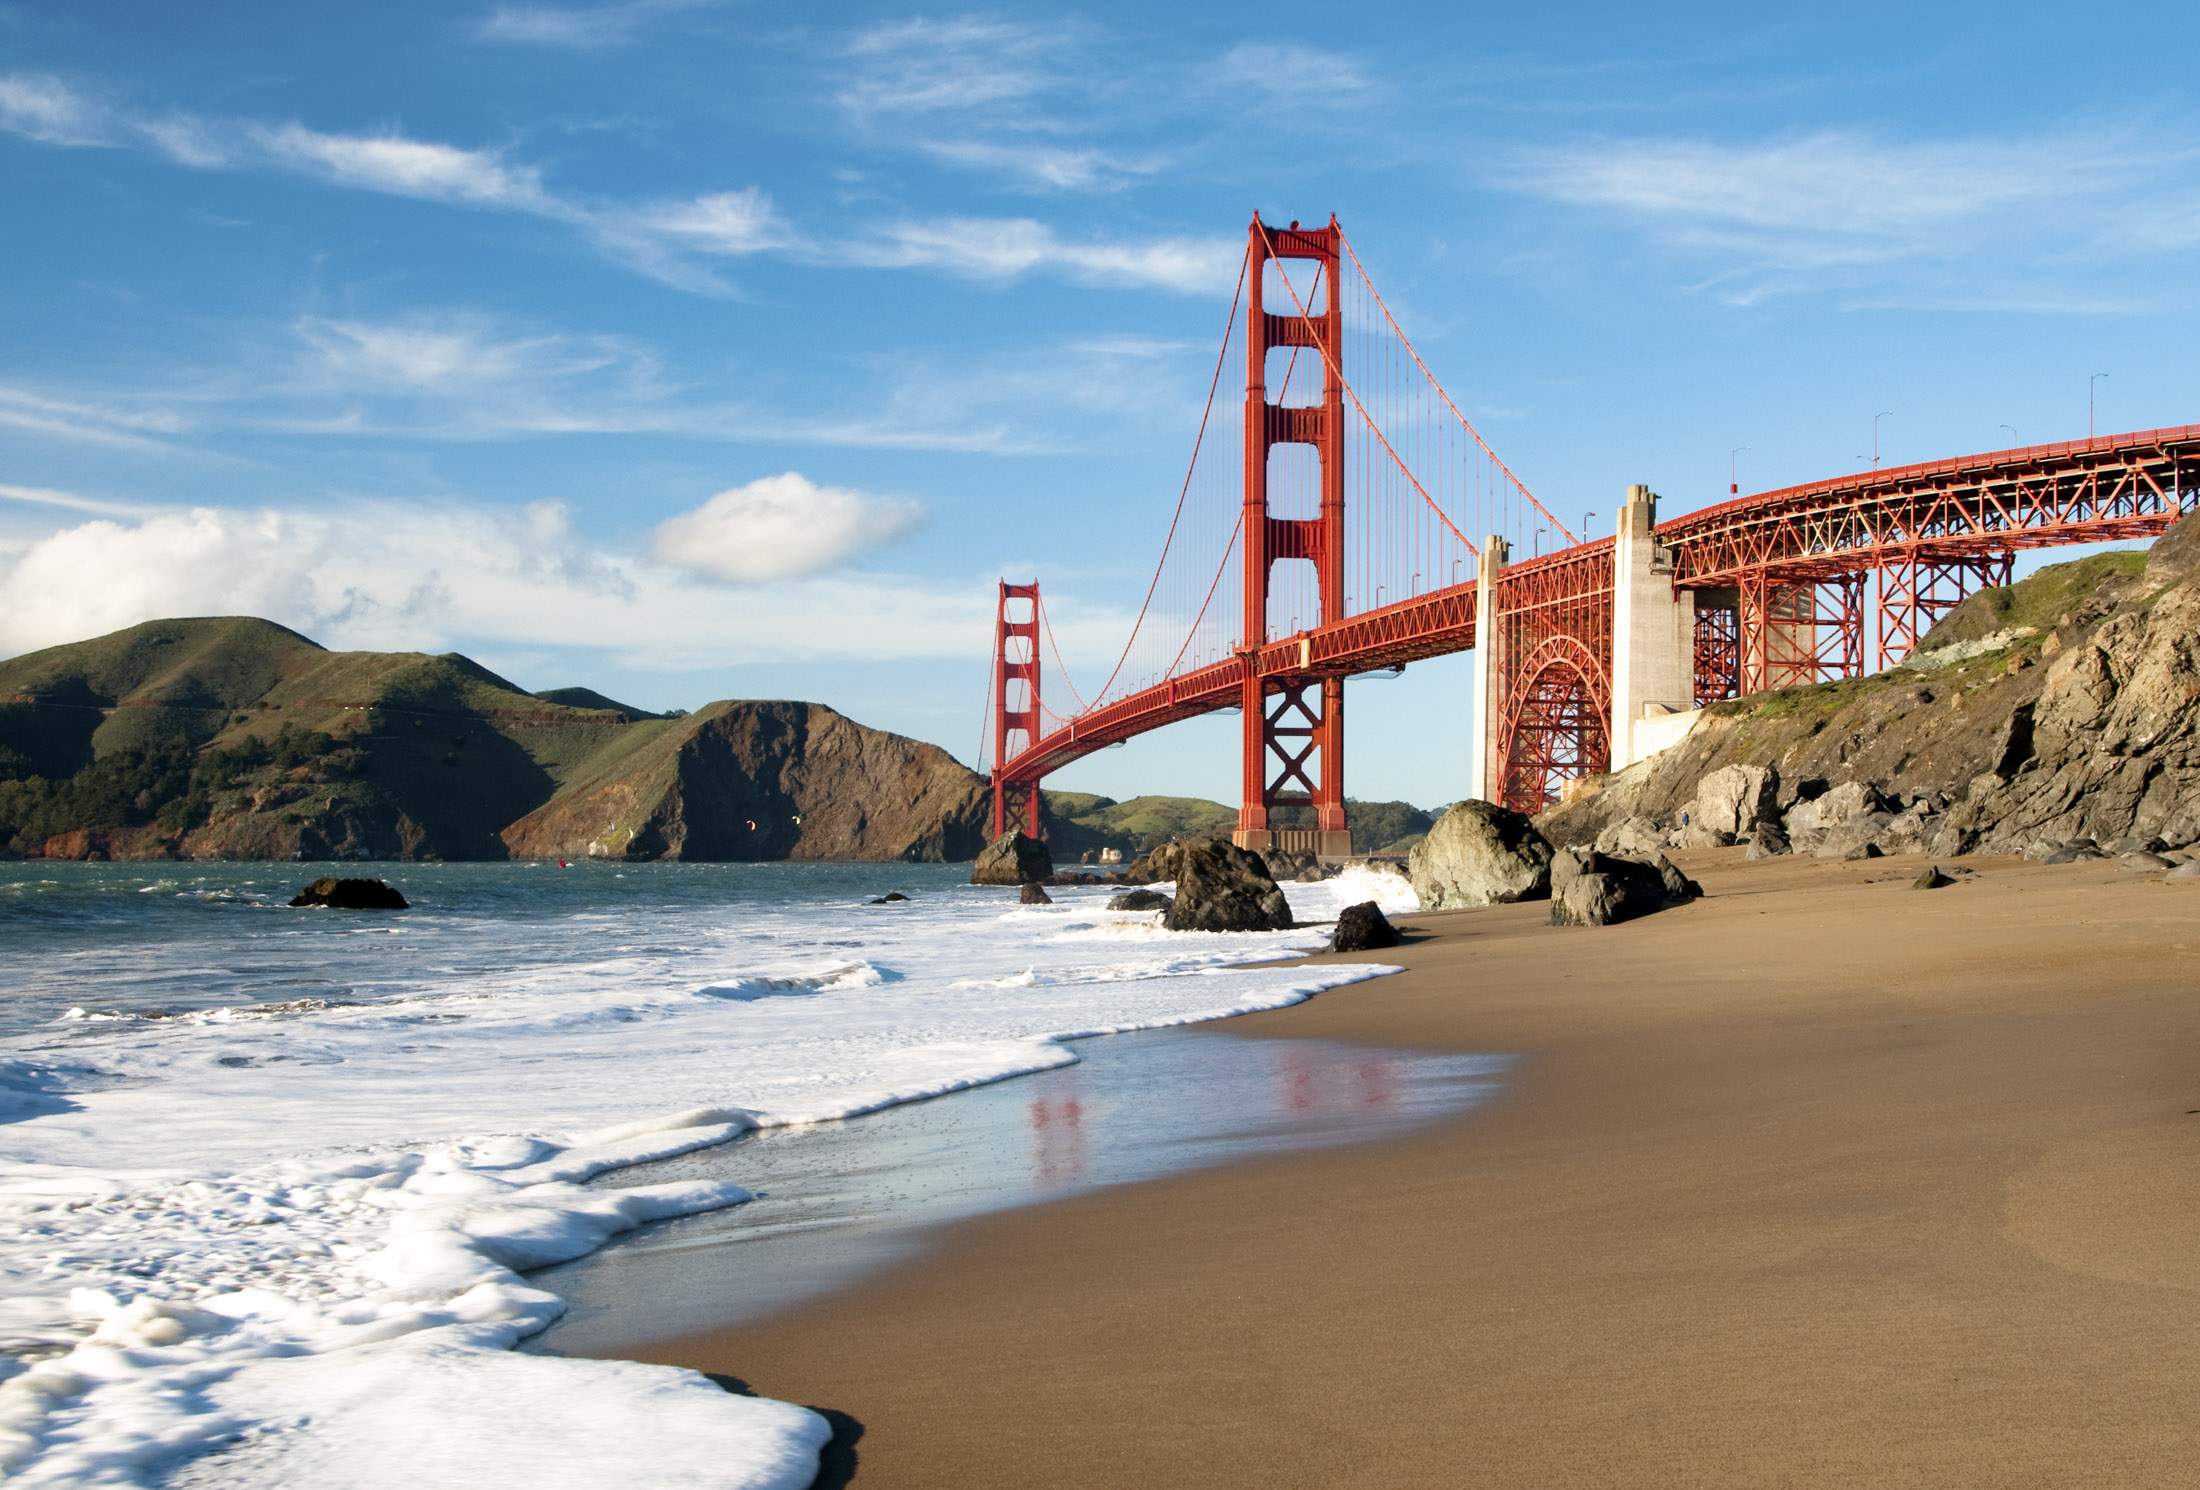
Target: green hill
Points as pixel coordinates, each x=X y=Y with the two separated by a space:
x=234 y=738
x=1078 y=821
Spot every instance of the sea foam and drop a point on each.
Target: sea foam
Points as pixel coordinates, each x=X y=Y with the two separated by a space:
x=310 y=1261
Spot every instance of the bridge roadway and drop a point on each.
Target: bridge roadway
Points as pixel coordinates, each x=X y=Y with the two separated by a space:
x=1963 y=515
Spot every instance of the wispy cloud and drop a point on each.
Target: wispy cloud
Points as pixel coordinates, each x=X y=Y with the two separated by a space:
x=42 y=496
x=673 y=240
x=1006 y=248
x=1816 y=209
x=127 y=425
x=924 y=66
x=1309 y=76
x=1041 y=166
x=578 y=27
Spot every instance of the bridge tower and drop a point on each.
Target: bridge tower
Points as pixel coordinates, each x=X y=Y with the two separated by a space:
x=1293 y=742
x=1015 y=663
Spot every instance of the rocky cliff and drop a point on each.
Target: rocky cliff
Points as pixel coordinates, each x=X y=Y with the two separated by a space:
x=233 y=738
x=2060 y=711
x=761 y=781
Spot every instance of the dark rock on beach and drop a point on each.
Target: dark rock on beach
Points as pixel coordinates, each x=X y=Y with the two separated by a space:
x=889 y=898
x=1140 y=900
x=1220 y=887
x=1036 y=894
x=1363 y=928
x=1012 y=859
x=351 y=895
x=1593 y=889
x=1931 y=879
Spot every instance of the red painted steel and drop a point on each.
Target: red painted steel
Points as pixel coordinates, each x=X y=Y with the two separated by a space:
x=1015 y=797
x=1780 y=580
x=1276 y=754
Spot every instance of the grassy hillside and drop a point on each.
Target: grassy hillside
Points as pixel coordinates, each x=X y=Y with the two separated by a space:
x=1077 y=821
x=232 y=737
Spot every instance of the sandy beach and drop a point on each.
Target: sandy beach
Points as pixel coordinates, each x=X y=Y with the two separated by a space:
x=1822 y=1180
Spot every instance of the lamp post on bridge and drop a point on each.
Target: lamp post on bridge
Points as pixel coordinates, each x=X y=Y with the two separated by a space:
x=1733 y=470
x=2014 y=438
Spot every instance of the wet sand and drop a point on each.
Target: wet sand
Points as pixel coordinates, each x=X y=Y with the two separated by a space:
x=1820 y=1181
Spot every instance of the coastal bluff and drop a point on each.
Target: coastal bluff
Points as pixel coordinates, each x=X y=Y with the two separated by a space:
x=231 y=737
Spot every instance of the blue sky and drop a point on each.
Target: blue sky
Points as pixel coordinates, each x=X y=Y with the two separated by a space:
x=693 y=350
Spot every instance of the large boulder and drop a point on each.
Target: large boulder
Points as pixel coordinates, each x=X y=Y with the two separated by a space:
x=1012 y=859
x=1734 y=799
x=1221 y=887
x=351 y=895
x=1140 y=900
x=1593 y=889
x=1634 y=835
x=1363 y=928
x=1480 y=854
x=1833 y=809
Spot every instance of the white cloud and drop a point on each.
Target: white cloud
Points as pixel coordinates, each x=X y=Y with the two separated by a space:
x=925 y=66
x=778 y=528
x=1049 y=167
x=725 y=222
x=44 y=108
x=396 y=576
x=583 y=27
x=1007 y=248
x=1310 y=77
x=97 y=423
x=410 y=168
x=658 y=238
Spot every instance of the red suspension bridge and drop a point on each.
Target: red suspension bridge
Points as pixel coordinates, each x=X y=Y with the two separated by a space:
x=1361 y=523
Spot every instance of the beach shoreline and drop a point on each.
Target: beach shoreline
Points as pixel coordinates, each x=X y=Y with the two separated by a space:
x=1820 y=1180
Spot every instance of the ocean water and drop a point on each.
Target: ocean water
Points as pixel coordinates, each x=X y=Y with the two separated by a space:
x=277 y=1186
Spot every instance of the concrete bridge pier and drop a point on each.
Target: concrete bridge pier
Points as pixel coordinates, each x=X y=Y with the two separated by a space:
x=1487 y=771
x=1653 y=636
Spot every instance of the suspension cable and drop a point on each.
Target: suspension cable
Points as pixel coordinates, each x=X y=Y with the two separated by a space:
x=1191 y=469
x=1329 y=356
x=1407 y=342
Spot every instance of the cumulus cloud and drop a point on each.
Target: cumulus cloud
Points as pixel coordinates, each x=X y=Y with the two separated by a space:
x=397 y=576
x=778 y=528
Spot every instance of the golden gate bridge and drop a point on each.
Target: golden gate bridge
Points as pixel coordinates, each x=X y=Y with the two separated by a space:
x=1361 y=523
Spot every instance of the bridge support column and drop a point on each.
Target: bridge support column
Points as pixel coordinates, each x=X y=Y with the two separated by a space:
x=1486 y=777
x=1653 y=629
x=1300 y=725
x=1015 y=705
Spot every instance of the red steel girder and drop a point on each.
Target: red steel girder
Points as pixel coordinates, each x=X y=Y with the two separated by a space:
x=2079 y=491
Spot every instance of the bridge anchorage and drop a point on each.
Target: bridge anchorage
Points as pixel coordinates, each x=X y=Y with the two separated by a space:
x=1332 y=541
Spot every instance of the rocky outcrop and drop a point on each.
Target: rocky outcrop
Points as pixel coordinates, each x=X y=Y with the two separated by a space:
x=1363 y=928
x=747 y=781
x=1480 y=854
x=1140 y=900
x=1221 y=887
x=1035 y=894
x=1593 y=889
x=2057 y=715
x=351 y=895
x=1012 y=859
